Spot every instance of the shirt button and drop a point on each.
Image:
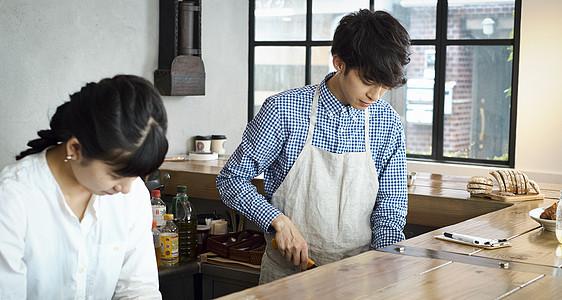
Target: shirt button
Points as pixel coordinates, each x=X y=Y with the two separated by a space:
x=116 y=248
x=81 y=270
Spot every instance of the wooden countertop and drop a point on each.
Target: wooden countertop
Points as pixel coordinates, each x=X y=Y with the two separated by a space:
x=422 y=267
x=426 y=268
x=379 y=275
x=428 y=197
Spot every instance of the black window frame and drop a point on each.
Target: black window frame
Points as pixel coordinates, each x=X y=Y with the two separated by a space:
x=441 y=42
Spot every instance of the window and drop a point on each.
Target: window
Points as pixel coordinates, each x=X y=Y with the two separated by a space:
x=459 y=104
x=290 y=44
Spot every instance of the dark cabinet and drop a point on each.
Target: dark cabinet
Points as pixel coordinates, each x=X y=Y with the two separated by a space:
x=218 y=281
x=179 y=282
x=204 y=281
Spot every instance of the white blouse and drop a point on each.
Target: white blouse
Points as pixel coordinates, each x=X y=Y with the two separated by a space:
x=47 y=253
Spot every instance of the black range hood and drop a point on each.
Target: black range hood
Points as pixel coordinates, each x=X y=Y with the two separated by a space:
x=181 y=71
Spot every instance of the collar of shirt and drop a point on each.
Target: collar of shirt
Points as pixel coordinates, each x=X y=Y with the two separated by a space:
x=332 y=105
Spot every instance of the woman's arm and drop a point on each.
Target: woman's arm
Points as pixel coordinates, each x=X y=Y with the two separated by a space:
x=139 y=275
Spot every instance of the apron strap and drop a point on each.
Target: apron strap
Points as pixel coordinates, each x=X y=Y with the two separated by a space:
x=367 y=138
x=313 y=111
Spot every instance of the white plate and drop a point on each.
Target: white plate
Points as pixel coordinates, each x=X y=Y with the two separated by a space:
x=549 y=225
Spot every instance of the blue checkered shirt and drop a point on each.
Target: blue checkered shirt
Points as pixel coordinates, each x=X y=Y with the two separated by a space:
x=274 y=138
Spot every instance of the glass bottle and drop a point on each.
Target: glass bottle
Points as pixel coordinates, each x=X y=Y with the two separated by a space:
x=158 y=207
x=559 y=219
x=169 y=238
x=187 y=229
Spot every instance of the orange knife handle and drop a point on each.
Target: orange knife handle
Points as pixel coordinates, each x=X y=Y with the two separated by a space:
x=311 y=264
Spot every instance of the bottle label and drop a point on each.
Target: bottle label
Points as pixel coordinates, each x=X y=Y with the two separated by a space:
x=169 y=245
x=158 y=212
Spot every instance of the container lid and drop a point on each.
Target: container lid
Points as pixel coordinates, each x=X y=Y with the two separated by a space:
x=218 y=137
x=203 y=228
x=155 y=193
x=202 y=137
x=168 y=216
x=182 y=189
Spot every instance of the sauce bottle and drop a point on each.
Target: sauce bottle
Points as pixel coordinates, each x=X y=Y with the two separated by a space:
x=169 y=238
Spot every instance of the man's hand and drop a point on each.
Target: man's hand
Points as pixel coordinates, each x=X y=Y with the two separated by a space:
x=290 y=242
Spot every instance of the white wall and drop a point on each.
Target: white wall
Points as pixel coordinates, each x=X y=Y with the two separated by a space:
x=51 y=48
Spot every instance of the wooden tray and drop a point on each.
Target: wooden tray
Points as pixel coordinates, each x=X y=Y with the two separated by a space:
x=215 y=259
x=216 y=244
x=511 y=199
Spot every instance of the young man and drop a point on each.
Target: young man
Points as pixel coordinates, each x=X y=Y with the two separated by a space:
x=332 y=154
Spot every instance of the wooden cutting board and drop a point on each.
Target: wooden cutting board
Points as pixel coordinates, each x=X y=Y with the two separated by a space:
x=511 y=199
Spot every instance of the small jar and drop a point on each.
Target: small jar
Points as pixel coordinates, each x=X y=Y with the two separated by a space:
x=218 y=143
x=203 y=143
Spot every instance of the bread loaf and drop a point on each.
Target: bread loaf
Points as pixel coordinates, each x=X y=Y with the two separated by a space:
x=534 y=187
x=497 y=176
x=550 y=212
x=514 y=182
x=479 y=185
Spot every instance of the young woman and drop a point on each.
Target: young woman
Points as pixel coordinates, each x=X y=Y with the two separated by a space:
x=75 y=217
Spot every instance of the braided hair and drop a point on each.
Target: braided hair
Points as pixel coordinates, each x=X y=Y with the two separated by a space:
x=121 y=121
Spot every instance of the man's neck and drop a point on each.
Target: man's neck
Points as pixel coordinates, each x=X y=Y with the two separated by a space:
x=334 y=87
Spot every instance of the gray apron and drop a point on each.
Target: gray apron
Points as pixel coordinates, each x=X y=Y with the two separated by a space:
x=330 y=198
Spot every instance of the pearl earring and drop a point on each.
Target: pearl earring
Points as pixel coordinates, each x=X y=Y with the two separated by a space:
x=68 y=157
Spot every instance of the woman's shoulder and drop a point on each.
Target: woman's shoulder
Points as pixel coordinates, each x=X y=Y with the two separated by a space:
x=28 y=171
x=22 y=184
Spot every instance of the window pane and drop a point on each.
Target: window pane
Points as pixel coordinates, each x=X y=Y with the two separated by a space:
x=326 y=15
x=280 y=20
x=490 y=20
x=477 y=102
x=414 y=101
x=321 y=58
x=277 y=69
x=417 y=16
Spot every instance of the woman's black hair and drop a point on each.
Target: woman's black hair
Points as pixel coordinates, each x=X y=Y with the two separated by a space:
x=376 y=45
x=120 y=121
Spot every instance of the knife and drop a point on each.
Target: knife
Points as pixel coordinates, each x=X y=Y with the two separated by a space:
x=311 y=264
